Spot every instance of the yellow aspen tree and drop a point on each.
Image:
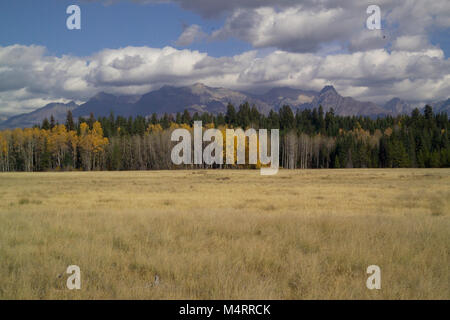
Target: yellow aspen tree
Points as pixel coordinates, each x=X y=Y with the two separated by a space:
x=43 y=143
x=185 y=126
x=37 y=137
x=388 y=131
x=86 y=147
x=58 y=144
x=173 y=126
x=98 y=143
x=3 y=151
x=28 y=148
x=154 y=128
x=18 y=143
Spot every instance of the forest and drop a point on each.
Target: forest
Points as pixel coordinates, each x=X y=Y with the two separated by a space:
x=308 y=139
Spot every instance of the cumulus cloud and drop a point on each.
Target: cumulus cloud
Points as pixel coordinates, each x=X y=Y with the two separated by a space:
x=411 y=43
x=309 y=25
x=190 y=35
x=293 y=29
x=29 y=78
x=156 y=66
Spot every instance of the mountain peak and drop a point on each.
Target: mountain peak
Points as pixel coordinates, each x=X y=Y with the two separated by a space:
x=199 y=88
x=397 y=106
x=199 y=85
x=328 y=88
x=394 y=100
x=56 y=109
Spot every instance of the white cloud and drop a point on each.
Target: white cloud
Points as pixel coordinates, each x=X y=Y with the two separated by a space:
x=293 y=29
x=411 y=43
x=307 y=26
x=190 y=35
x=30 y=78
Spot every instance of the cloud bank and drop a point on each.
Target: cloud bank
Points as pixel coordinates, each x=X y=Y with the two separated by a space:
x=310 y=25
x=29 y=77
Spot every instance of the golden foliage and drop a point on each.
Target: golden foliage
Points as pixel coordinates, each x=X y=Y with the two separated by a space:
x=154 y=128
x=56 y=142
x=388 y=132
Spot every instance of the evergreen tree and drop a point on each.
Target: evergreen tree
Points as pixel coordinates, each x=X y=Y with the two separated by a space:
x=230 y=116
x=287 y=119
x=178 y=118
x=52 y=122
x=154 y=119
x=91 y=121
x=428 y=112
x=70 y=125
x=321 y=126
x=186 y=118
x=165 y=123
x=45 y=124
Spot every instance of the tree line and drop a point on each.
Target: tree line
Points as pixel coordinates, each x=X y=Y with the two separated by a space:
x=308 y=139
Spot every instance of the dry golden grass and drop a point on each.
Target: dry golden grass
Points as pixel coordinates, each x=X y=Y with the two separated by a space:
x=226 y=234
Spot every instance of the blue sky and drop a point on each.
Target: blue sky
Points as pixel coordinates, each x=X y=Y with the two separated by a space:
x=135 y=46
x=118 y=25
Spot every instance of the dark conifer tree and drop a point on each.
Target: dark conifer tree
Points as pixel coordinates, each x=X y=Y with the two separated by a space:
x=45 y=124
x=70 y=125
x=52 y=122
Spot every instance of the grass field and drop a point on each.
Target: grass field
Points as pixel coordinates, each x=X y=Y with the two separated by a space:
x=306 y=234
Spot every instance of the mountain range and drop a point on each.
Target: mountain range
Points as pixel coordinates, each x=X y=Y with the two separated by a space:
x=58 y=110
x=201 y=98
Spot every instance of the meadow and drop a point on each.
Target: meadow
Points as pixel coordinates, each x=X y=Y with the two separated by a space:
x=226 y=234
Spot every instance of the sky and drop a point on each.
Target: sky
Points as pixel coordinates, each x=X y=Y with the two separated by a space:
x=135 y=46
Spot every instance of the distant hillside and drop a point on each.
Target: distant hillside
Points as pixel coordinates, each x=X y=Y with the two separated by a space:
x=102 y=104
x=442 y=106
x=278 y=97
x=58 y=110
x=397 y=106
x=329 y=98
x=195 y=98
